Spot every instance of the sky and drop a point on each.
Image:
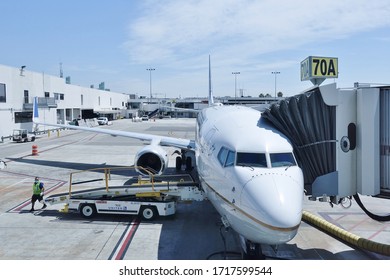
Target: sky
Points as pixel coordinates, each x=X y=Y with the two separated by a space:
x=116 y=41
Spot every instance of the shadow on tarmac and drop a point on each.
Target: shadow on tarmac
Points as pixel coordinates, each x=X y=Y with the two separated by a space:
x=72 y=165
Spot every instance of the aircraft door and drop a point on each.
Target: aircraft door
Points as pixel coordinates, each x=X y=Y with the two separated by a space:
x=205 y=150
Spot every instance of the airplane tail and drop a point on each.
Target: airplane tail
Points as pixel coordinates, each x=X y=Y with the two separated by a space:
x=35 y=117
x=211 y=98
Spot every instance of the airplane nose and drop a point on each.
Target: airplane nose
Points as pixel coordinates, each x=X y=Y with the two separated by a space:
x=275 y=198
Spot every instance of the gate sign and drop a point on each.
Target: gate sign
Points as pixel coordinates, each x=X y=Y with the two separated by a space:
x=315 y=67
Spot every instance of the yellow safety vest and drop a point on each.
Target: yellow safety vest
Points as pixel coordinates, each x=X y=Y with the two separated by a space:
x=36 y=188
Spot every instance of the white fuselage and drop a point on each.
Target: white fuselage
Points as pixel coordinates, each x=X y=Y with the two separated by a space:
x=262 y=200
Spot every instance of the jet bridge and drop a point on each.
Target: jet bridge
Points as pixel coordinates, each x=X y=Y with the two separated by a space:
x=341 y=139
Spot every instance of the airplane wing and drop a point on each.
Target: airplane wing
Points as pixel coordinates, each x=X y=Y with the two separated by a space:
x=152 y=139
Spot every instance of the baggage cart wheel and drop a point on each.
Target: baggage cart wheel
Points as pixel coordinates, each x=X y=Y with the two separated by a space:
x=148 y=213
x=88 y=210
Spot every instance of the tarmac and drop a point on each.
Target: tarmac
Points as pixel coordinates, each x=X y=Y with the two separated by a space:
x=195 y=232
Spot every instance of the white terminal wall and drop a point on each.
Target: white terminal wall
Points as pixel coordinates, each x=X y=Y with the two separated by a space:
x=37 y=84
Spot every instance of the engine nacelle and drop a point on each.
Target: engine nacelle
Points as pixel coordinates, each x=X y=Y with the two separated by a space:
x=153 y=158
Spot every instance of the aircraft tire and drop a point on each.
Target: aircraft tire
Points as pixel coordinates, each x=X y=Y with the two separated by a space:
x=253 y=252
x=188 y=163
x=178 y=163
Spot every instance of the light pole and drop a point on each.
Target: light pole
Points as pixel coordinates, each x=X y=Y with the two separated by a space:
x=235 y=83
x=275 y=73
x=150 y=81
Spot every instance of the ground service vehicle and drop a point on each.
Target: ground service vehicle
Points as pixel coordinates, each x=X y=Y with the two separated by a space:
x=21 y=135
x=102 y=121
x=130 y=205
x=147 y=198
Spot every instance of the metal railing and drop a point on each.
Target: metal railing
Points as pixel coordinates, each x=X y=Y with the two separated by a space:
x=107 y=171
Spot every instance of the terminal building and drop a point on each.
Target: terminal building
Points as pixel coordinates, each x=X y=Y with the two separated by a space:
x=58 y=100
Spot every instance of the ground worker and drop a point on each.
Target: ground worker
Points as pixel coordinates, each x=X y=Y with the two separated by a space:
x=38 y=192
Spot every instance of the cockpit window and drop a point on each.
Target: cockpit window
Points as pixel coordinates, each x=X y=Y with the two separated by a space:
x=282 y=159
x=226 y=157
x=251 y=159
x=222 y=155
x=230 y=158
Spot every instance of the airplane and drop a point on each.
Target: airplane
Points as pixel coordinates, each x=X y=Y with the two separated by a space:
x=246 y=168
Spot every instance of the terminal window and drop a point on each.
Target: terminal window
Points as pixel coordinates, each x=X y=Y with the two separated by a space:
x=3 y=95
x=23 y=117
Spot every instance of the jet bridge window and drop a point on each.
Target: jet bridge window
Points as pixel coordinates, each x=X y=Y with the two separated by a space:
x=282 y=159
x=251 y=159
x=226 y=157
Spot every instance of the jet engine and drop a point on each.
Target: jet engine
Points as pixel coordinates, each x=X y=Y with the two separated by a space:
x=151 y=158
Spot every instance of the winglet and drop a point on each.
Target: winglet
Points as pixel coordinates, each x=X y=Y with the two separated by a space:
x=35 y=117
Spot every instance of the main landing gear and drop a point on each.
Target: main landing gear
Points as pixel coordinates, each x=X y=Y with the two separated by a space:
x=183 y=159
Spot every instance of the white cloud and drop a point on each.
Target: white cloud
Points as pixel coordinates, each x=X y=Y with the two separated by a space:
x=172 y=30
x=243 y=34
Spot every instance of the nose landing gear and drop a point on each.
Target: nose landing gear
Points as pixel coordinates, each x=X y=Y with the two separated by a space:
x=250 y=250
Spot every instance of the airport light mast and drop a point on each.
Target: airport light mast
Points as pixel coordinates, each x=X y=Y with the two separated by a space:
x=275 y=73
x=150 y=81
x=235 y=83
